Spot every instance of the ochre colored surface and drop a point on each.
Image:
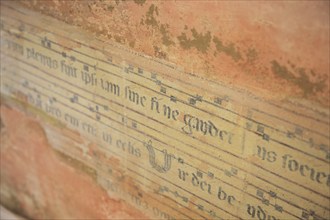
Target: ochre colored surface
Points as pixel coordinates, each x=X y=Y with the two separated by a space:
x=277 y=48
x=232 y=113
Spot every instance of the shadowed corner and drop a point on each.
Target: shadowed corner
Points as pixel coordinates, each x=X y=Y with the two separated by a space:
x=5 y=214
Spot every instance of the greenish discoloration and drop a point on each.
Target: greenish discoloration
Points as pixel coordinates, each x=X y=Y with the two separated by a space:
x=200 y=41
x=165 y=35
x=159 y=53
x=119 y=39
x=2 y=125
x=151 y=20
x=300 y=78
x=110 y=8
x=77 y=164
x=139 y=2
x=292 y=65
x=229 y=49
x=132 y=44
x=251 y=55
x=150 y=16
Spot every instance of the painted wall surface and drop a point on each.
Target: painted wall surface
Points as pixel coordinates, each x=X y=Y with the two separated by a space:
x=165 y=109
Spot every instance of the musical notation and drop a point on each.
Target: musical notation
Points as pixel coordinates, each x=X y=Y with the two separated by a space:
x=197 y=152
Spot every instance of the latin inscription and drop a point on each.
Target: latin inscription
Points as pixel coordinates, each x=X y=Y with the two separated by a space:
x=151 y=129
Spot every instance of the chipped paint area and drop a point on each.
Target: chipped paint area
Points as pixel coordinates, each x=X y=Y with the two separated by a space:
x=299 y=77
x=111 y=150
x=226 y=41
x=52 y=184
